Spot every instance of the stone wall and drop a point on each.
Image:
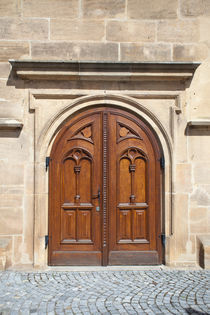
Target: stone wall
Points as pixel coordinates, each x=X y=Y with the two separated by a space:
x=105 y=30
x=123 y=30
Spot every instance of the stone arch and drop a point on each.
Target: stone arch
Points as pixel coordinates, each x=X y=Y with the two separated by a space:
x=43 y=147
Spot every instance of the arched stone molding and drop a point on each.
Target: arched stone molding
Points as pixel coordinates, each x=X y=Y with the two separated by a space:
x=43 y=144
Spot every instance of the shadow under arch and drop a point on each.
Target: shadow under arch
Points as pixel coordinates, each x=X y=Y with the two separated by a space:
x=48 y=134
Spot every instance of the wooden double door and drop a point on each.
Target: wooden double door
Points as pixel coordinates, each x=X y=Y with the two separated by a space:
x=104 y=191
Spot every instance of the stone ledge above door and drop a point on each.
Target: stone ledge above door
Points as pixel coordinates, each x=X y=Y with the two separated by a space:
x=103 y=71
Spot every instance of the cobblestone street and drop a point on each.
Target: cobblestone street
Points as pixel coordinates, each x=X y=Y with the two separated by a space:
x=155 y=291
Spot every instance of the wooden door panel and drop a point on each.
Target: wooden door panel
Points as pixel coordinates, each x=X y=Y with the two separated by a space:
x=68 y=226
x=124 y=226
x=133 y=201
x=139 y=225
x=140 y=177
x=108 y=150
x=84 y=225
x=85 y=186
x=74 y=223
x=124 y=181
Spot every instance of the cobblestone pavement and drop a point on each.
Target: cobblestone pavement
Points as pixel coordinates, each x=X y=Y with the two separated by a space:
x=105 y=292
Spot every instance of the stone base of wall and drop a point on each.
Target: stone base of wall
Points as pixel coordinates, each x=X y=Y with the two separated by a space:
x=203 y=251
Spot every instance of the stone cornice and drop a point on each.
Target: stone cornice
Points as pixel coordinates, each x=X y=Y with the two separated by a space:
x=106 y=71
x=200 y=123
x=10 y=124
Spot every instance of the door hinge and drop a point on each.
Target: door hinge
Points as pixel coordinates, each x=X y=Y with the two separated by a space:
x=46 y=240
x=162 y=162
x=47 y=162
x=163 y=239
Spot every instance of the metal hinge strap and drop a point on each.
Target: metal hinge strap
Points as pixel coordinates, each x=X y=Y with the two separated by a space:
x=46 y=241
x=163 y=239
x=47 y=162
x=162 y=162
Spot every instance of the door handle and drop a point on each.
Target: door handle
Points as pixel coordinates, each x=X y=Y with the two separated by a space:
x=97 y=197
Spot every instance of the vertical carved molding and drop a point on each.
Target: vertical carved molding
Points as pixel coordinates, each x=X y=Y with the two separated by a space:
x=105 y=144
x=77 y=172
x=132 y=169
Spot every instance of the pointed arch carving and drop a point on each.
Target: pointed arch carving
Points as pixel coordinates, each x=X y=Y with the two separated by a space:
x=125 y=132
x=85 y=133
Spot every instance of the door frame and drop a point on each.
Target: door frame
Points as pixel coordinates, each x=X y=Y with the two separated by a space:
x=43 y=145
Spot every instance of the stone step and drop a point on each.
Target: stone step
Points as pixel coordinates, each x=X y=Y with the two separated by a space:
x=4 y=243
x=203 y=251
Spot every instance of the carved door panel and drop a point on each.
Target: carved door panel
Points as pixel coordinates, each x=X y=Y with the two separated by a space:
x=134 y=193
x=104 y=191
x=75 y=178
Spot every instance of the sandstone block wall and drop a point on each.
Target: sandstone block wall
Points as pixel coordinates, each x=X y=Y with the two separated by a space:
x=177 y=29
x=105 y=30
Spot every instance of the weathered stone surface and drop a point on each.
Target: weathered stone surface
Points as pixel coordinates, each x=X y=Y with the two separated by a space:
x=202 y=173
x=9 y=92
x=51 y=8
x=10 y=7
x=200 y=97
x=206 y=7
x=199 y=144
x=181 y=223
x=63 y=29
x=192 y=8
x=55 y=50
x=204 y=30
x=99 y=51
x=23 y=29
x=148 y=52
x=10 y=110
x=103 y=8
x=12 y=189
x=183 y=178
x=152 y=9
x=198 y=220
x=13 y=175
x=5 y=252
x=13 y=50
x=15 y=150
x=75 y=51
x=42 y=221
x=200 y=197
x=27 y=230
x=191 y=52
x=11 y=201
x=5 y=69
x=11 y=220
x=130 y=31
x=178 y=31
x=18 y=242
x=181 y=152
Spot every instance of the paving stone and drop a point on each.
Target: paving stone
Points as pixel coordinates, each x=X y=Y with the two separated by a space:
x=105 y=292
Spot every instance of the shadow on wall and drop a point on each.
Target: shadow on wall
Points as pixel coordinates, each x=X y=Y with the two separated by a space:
x=10 y=133
x=197 y=131
x=201 y=256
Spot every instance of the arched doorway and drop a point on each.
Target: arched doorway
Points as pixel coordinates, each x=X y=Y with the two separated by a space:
x=104 y=191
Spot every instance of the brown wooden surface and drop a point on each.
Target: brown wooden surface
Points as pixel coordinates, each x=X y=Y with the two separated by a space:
x=111 y=150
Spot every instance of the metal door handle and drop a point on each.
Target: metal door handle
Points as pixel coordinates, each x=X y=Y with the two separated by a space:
x=99 y=194
x=97 y=197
